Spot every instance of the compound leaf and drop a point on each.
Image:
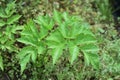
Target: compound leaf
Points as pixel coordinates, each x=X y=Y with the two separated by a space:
x=92 y=58
x=13 y=18
x=89 y=48
x=56 y=53
x=24 y=56
x=23 y=62
x=74 y=51
x=57 y=17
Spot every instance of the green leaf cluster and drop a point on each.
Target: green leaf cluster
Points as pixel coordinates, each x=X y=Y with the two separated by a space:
x=74 y=36
x=105 y=9
x=58 y=34
x=7 y=15
x=8 y=29
x=34 y=44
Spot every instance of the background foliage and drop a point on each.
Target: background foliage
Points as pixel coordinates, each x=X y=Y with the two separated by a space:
x=38 y=42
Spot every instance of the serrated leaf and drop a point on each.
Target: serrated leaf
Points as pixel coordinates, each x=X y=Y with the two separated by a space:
x=34 y=55
x=57 y=16
x=56 y=42
x=10 y=7
x=19 y=27
x=33 y=29
x=62 y=30
x=56 y=37
x=13 y=18
x=1 y=63
x=92 y=58
x=43 y=33
x=2 y=13
x=41 y=49
x=42 y=21
x=28 y=40
x=74 y=30
x=74 y=51
x=14 y=28
x=56 y=53
x=85 y=39
x=24 y=51
x=66 y=16
x=23 y=62
x=95 y=60
x=85 y=29
x=2 y=23
x=86 y=57
x=51 y=24
x=11 y=13
x=25 y=54
x=89 y=48
x=26 y=31
x=45 y=21
x=37 y=20
x=30 y=34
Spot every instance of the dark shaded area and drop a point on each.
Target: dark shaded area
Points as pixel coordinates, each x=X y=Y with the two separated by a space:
x=116 y=7
x=4 y=76
x=116 y=12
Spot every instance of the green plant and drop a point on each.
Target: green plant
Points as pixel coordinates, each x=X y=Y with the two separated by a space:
x=7 y=15
x=55 y=35
x=105 y=9
x=110 y=59
x=8 y=29
x=35 y=45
